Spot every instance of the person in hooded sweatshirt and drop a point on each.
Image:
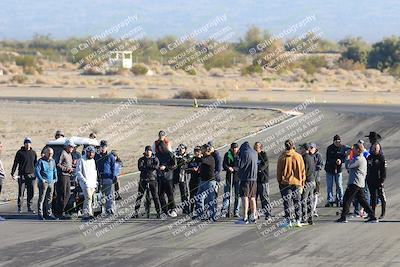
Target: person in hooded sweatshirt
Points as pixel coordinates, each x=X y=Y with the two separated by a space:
x=291 y=176
x=165 y=179
x=247 y=170
x=357 y=168
x=25 y=160
x=86 y=174
x=376 y=175
x=307 y=197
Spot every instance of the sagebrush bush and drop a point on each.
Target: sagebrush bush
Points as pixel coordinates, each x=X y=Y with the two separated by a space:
x=139 y=69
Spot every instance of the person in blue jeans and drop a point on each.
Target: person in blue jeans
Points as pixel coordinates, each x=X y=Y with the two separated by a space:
x=105 y=163
x=232 y=182
x=335 y=156
x=206 y=192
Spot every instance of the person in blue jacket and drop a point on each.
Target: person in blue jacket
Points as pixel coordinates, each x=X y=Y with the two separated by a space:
x=46 y=174
x=105 y=163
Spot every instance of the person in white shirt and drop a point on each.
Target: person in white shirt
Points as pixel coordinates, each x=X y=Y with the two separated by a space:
x=86 y=174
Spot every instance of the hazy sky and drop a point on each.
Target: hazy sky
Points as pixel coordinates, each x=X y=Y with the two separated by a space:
x=371 y=19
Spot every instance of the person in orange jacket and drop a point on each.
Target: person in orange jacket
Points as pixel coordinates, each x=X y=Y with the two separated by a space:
x=291 y=177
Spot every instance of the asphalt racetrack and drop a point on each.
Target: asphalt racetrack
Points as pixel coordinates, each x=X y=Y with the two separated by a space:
x=26 y=241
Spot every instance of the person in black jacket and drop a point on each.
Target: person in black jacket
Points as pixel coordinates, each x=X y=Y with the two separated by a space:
x=180 y=177
x=193 y=169
x=25 y=160
x=147 y=165
x=335 y=156
x=307 y=197
x=232 y=182
x=376 y=175
x=165 y=179
x=262 y=180
x=319 y=165
x=207 y=187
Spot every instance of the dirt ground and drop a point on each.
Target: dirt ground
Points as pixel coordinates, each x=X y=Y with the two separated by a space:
x=128 y=127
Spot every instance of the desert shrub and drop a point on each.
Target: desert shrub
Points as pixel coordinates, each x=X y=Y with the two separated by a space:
x=139 y=69
x=251 y=69
x=19 y=79
x=395 y=71
x=25 y=61
x=385 y=54
x=191 y=71
x=311 y=64
x=348 y=64
x=200 y=94
x=92 y=71
x=355 y=49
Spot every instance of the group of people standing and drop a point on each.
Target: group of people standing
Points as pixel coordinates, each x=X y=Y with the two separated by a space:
x=54 y=171
x=198 y=177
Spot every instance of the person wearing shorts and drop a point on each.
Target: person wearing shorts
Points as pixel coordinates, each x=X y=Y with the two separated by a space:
x=247 y=171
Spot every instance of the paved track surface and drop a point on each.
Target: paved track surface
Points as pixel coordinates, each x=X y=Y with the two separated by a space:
x=181 y=242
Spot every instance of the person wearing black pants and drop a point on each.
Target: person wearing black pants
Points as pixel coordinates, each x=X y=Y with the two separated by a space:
x=63 y=185
x=25 y=159
x=180 y=176
x=357 y=168
x=307 y=197
x=262 y=180
x=147 y=165
x=193 y=171
x=376 y=175
x=165 y=180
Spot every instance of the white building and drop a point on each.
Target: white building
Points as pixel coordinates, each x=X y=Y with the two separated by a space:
x=120 y=59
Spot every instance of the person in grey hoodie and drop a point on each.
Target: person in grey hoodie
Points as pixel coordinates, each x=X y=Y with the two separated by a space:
x=247 y=171
x=357 y=168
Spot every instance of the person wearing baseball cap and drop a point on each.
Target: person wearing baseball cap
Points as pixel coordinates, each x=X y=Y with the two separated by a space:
x=25 y=159
x=58 y=134
x=162 y=139
x=63 y=185
x=148 y=165
x=105 y=163
x=232 y=182
x=335 y=156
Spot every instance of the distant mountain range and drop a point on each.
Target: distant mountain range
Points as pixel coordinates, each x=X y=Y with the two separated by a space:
x=370 y=19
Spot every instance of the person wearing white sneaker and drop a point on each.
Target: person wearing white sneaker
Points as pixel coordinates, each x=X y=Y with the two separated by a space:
x=291 y=177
